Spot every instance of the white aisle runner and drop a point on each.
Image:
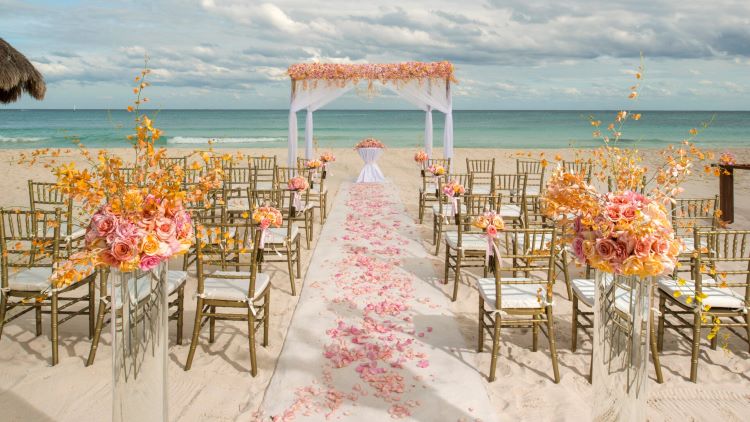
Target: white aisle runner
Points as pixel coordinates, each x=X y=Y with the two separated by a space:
x=373 y=338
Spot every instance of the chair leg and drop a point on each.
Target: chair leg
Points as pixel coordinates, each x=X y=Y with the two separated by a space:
x=534 y=333
x=434 y=229
x=180 y=312
x=92 y=306
x=38 y=317
x=566 y=272
x=480 y=335
x=291 y=268
x=662 y=315
x=196 y=333
x=53 y=333
x=298 y=258
x=3 y=305
x=266 y=315
x=655 y=353
x=574 y=326
x=100 y=314
x=251 y=337
x=438 y=236
x=696 y=347
x=495 y=348
x=552 y=346
x=447 y=264
x=211 y=325
x=747 y=328
x=421 y=209
x=457 y=277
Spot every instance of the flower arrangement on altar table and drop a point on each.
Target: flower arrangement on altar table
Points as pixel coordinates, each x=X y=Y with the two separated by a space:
x=622 y=232
x=298 y=184
x=453 y=189
x=369 y=143
x=136 y=222
x=436 y=170
x=314 y=164
x=421 y=157
x=327 y=157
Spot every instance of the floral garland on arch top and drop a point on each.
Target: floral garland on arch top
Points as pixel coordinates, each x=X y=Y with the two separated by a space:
x=341 y=73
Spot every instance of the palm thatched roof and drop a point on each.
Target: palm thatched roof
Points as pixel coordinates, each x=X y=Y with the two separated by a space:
x=17 y=74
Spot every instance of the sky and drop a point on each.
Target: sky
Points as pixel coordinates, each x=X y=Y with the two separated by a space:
x=515 y=54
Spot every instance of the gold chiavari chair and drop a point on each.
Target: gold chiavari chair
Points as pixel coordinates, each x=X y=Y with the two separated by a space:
x=584 y=293
x=718 y=295
x=318 y=191
x=584 y=168
x=428 y=191
x=513 y=188
x=237 y=181
x=305 y=214
x=221 y=285
x=29 y=250
x=688 y=214
x=467 y=246
x=282 y=244
x=534 y=170
x=519 y=302
x=173 y=162
x=46 y=197
x=442 y=211
x=482 y=172
x=265 y=168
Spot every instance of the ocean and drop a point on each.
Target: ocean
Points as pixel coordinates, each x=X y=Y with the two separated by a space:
x=343 y=128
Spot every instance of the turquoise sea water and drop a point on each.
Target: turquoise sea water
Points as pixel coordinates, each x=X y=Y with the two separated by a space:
x=337 y=128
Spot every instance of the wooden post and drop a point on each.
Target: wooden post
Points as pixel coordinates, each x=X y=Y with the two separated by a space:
x=726 y=193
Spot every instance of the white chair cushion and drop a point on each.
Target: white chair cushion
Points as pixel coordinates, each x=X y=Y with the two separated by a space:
x=510 y=211
x=583 y=289
x=264 y=185
x=238 y=204
x=175 y=279
x=77 y=234
x=469 y=241
x=718 y=297
x=431 y=188
x=532 y=190
x=514 y=296
x=317 y=192
x=446 y=209
x=278 y=234
x=233 y=289
x=35 y=279
x=480 y=189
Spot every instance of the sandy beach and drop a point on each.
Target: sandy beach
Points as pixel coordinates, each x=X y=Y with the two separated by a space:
x=219 y=386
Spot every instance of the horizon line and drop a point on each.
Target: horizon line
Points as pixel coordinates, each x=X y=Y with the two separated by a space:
x=371 y=109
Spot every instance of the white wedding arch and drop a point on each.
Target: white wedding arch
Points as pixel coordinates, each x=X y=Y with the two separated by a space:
x=426 y=85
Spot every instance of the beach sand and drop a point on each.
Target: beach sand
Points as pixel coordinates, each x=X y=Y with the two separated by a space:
x=219 y=386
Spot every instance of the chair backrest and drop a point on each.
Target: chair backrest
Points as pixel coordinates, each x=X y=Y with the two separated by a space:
x=469 y=208
x=226 y=245
x=283 y=174
x=534 y=171
x=172 y=162
x=45 y=196
x=512 y=186
x=28 y=239
x=445 y=162
x=301 y=162
x=579 y=167
x=689 y=213
x=726 y=260
x=528 y=252
x=265 y=170
x=482 y=170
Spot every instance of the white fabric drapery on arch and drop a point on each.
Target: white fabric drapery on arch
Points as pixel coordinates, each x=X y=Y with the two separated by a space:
x=427 y=94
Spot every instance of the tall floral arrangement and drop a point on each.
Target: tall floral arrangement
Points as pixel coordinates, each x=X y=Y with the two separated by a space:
x=138 y=217
x=622 y=231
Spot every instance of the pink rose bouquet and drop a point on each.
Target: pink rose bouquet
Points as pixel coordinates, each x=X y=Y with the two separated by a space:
x=436 y=170
x=298 y=184
x=327 y=157
x=421 y=157
x=314 y=164
x=453 y=189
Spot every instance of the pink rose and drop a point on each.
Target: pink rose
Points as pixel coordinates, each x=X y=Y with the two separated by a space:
x=613 y=212
x=265 y=223
x=165 y=229
x=621 y=252
x=660 y=246
x=107 y=258
x=150 y=262
x=643 y=247
x=577 y=247
x=123 y=249
x=628 y=212
x=104 y=223
x=491 y=231
x=606 y=248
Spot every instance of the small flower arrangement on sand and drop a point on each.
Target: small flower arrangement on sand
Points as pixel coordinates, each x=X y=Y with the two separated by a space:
x=369 y=143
